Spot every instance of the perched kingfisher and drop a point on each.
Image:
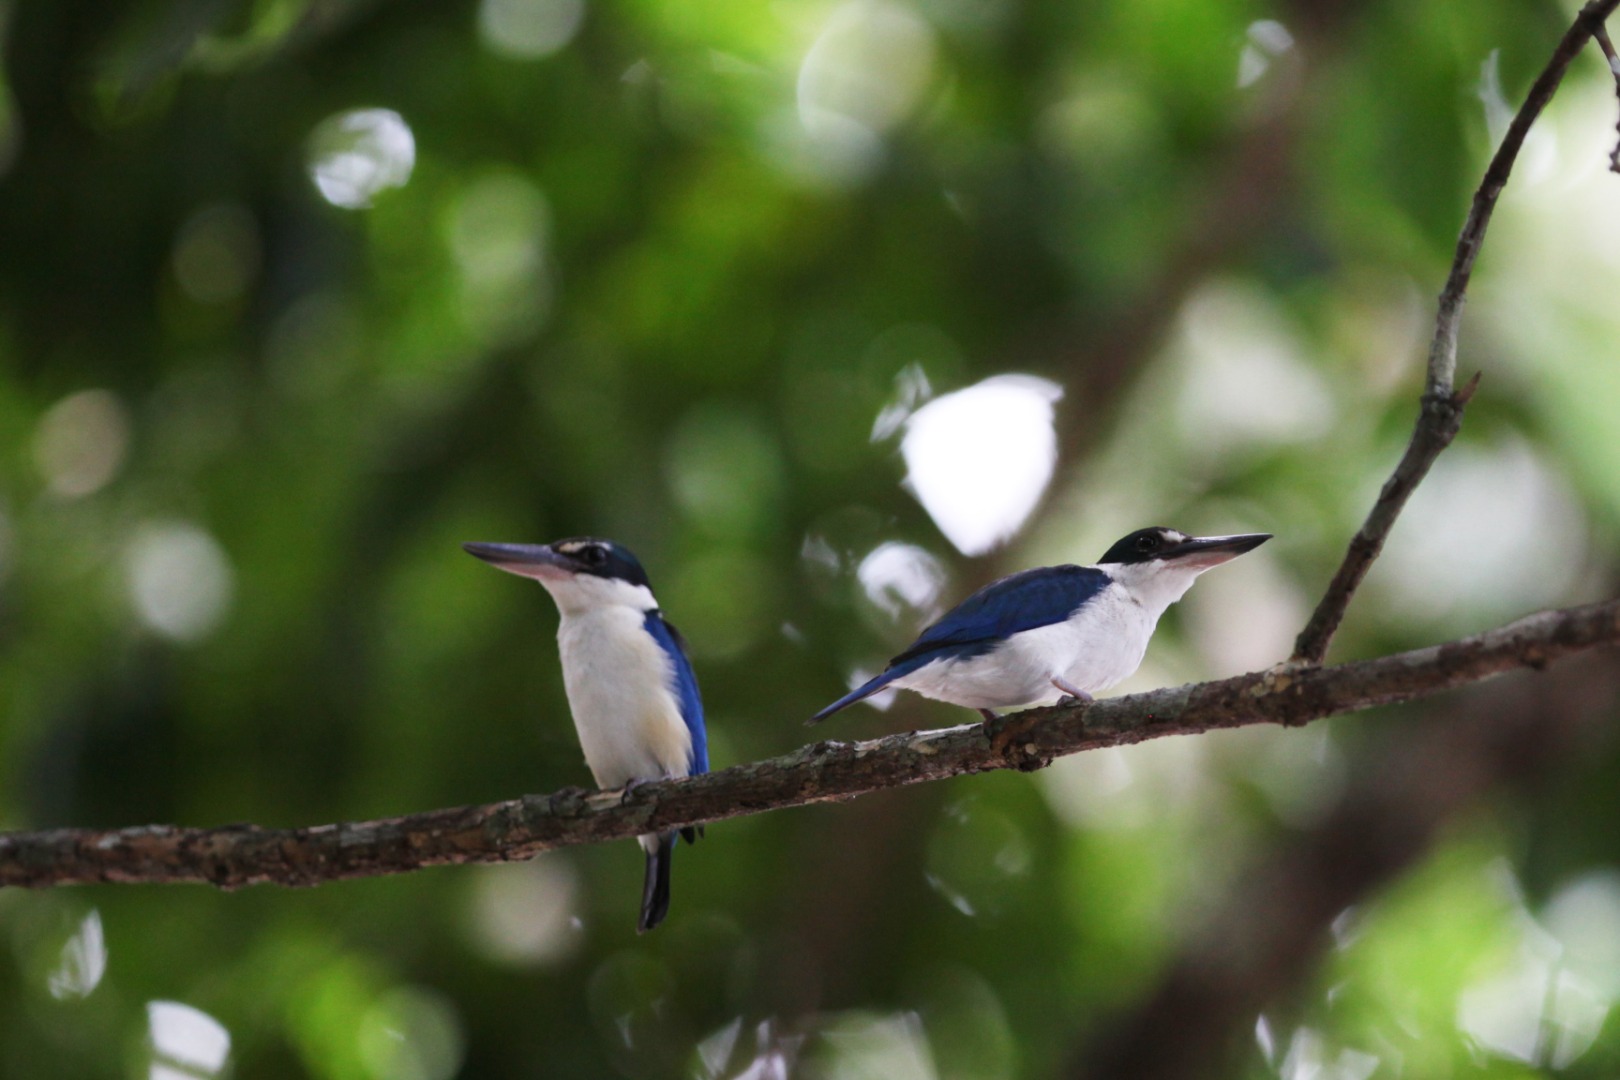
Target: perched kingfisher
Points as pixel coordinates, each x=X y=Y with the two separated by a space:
x=630 y=687
x=1057 y=631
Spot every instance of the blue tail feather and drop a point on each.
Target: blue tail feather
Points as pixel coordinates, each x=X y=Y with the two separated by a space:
x=874 y=684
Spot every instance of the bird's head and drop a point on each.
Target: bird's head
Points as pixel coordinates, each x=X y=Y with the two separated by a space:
x=1158 y=565
x=580 y=573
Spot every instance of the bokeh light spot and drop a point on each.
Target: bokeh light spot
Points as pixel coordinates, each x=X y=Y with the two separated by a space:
x=911 y=389
x=529 y=29
x=1496 y=514
x=866 y=1046
x=1247 y=382
x=180 y=579
x=1585 y=918
x=1265 y=40
x=1310 y=1057
x=524 y=915
x=902 y=580
x=355 y=155
x=979 y=459
x=412 y=1033
x=725 y=597
x=725 y=471
x=81 y=442
x=864 y=75
x=83 y=962
x=498 y=231
x=183 y=1037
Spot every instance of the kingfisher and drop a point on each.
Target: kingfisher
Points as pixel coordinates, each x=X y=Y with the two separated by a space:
x=1056 y=632
x=630 y=686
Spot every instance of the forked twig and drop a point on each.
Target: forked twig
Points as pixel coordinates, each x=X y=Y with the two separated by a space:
x=1440 y=416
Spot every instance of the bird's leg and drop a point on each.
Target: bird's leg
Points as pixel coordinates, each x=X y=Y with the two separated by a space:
x=1073 y=695
x=989 y=715
x=635 y=782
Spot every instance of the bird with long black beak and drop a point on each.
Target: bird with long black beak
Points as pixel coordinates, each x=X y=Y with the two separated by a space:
x=1057 y=632
x=630 y=687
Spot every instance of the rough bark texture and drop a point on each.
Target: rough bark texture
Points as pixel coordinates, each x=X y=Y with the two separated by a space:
x=235 y=855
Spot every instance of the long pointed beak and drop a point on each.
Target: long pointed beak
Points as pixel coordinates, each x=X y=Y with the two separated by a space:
x=1204 y=552
x=538 y=561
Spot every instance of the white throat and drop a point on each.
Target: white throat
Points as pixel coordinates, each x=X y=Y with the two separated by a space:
x=577 y=594
x=1154 y=585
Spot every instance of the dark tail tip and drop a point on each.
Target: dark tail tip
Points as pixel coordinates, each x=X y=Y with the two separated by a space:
x=837 y=706
x=860 y=693
x=655 y=893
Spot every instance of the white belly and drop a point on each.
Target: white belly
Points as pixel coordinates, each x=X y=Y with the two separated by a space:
x=629 y=724
x=1099 y=649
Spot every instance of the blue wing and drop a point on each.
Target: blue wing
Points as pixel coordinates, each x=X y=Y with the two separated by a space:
x=686 y=688
x=1023 y=601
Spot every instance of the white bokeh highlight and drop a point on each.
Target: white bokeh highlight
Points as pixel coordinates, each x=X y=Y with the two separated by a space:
x=525 y=915
x=185 y=1041
x=980 y=459
x=83 y=961
x=1246 y=382
x=893 y=1047
x=1309 y=1057
x=1493 y=531
x=356 y=155
x=865 y=74
x=529 y=29
x=903 y=581
x=81 y=443
x=180 y=580
x=1547 y=1004
x=1263 y=42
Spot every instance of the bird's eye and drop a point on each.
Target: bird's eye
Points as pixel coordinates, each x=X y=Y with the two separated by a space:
x=1147 y=543
x=594 y=555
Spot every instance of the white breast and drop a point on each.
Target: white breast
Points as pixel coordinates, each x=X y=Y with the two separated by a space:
x=617 y=679
x=1108 y=640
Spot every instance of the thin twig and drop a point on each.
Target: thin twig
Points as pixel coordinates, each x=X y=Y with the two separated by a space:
x=237 y=855
x=1440 y=416
x=1602 y=35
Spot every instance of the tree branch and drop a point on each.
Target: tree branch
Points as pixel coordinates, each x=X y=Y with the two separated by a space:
x=1441 y=414
x=235 y=855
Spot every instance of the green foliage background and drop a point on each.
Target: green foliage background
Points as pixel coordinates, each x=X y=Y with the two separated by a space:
x=628 y=290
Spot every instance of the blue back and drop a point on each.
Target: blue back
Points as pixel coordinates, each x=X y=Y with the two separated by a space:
x=685 y=688
x=1022 y=601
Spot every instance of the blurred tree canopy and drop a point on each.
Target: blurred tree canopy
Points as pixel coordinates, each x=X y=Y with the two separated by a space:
x=296 y=295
